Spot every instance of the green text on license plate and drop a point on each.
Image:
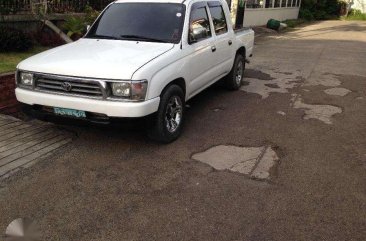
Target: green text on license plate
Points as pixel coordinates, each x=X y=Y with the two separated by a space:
x=69 y=112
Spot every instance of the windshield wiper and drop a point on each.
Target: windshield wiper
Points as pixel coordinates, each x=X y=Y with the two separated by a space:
x=102 y=36
x=142 y=38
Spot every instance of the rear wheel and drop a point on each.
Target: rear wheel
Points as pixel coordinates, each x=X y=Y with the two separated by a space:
x=168 y=121
x=234 y=79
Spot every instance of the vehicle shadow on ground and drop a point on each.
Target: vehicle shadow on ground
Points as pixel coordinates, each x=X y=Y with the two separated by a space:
x=136 y=128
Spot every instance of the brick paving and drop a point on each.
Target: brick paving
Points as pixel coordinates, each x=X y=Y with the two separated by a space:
x=24 y=143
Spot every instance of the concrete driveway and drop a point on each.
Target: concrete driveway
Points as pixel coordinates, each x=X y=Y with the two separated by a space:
x=304 y=98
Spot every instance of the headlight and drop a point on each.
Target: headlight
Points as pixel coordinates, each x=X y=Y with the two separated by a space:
x=121 y=89
x=26 y=79
x=134 y=90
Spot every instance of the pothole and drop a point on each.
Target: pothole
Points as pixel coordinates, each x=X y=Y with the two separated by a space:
x=337 y=91
x=276 y=82
x=323 y=113
x=272 y=86
x=324 y=79
x=257 y=74
x=256 y=162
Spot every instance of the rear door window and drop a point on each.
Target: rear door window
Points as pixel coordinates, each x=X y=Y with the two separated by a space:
x=218 y=17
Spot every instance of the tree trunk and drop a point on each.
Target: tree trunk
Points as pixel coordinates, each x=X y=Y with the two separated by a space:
x=348 y=8
x=58 y=31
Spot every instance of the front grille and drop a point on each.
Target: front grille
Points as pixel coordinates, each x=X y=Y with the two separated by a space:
x=69 y=86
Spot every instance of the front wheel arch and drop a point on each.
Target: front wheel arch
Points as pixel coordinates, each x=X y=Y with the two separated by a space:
x=179 y=82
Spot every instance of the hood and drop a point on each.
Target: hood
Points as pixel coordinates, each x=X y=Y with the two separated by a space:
x=93 y=58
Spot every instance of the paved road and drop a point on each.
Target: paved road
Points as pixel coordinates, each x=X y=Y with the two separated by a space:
x=305 y=97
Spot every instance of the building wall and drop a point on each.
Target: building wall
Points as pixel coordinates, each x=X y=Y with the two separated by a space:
x=260 y=16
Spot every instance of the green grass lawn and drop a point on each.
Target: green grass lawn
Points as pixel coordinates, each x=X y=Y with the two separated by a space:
x=355 y=15
x=352 y=17
x=9 y=61
x=293 y=23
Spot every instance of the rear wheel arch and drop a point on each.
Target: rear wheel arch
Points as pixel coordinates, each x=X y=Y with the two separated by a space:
x=242 y=51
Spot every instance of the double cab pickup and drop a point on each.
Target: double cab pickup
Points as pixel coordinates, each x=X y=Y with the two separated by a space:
x=140 y=58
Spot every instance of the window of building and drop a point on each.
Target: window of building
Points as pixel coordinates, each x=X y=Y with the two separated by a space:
x=272 y=3
x=255 y=4
x=269 y=3
x=283 y=4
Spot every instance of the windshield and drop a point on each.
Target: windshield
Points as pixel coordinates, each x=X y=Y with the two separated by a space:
x=152 y=22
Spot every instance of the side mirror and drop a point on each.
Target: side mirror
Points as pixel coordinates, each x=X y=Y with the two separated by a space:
x=87 y=27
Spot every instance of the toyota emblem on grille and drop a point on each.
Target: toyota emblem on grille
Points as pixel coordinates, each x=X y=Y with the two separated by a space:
x=66 y=86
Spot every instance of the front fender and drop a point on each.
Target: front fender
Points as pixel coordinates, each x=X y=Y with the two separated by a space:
x=162 y=71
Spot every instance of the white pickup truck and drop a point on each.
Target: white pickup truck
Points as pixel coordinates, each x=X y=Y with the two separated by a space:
x=140 y=58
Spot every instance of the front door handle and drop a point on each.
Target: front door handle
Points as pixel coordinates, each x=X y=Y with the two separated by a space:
x=230 y=42
x=213 y=48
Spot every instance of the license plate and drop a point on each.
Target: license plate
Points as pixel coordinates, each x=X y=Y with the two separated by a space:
x=69 y=112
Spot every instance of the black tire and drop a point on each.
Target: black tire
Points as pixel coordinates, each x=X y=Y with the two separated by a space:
x=163 y=130
x=231 y=80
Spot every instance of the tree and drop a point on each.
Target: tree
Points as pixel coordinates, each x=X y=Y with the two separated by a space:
x=40 y=11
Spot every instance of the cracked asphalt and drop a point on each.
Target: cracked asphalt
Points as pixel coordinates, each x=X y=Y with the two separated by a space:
x=114 y=184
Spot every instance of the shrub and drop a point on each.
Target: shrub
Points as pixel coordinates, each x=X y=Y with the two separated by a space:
x=306 y=14
x=355 y=14
x=76 y=26
x=14 y=40
x=90 y=15
x=320 y=15
x=320 y=9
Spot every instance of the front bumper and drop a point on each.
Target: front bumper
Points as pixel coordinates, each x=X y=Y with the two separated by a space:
x=109 y=108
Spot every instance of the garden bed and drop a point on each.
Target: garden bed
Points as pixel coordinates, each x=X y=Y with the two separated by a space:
x=8 y=102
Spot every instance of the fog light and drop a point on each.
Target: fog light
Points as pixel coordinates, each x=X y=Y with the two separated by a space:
x=26 y=79
x=121 y=89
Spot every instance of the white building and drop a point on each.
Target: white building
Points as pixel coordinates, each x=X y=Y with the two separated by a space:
x=258 y=12
x=360 y=5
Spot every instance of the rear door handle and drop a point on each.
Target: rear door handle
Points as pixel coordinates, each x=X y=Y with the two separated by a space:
x=213 y=48
x=230 y=42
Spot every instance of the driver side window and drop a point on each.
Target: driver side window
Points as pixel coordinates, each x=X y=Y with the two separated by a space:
x=199 y=23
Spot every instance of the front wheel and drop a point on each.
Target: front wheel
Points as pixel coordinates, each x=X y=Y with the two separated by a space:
x=234 y=79
x=168 y=121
